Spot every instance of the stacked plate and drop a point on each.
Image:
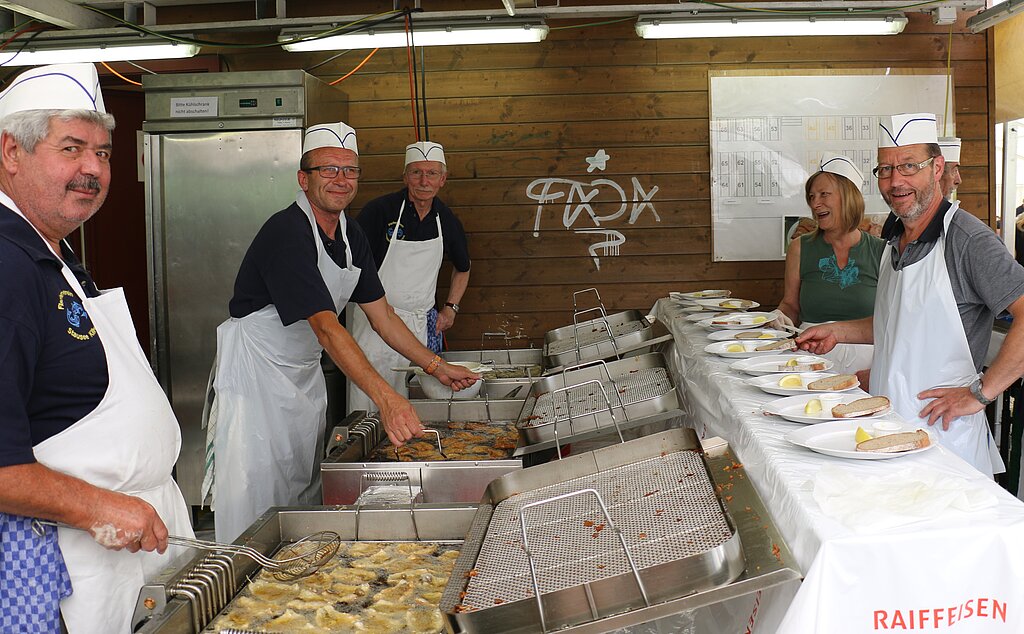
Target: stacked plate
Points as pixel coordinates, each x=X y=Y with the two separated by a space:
x=738 y=321
x=764 y=334
x=792 y=384
x=740 y=349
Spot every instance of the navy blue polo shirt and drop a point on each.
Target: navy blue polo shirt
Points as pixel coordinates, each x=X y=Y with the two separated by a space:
x=53 y=370
x=280 y=269
x=379 y=219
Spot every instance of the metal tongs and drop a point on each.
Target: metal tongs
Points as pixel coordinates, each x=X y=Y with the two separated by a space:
x=309 y=553
x=429 y=431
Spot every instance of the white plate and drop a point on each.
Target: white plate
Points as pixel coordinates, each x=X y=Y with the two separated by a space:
x=721 y=348
x=836 y=438
x=704 y=315
x=792 y=408
x=728 y=303
x=693 y=308
x=726 y=335
x=770 y=383
x=738 y=321
x=705 y=294
x=770 y=365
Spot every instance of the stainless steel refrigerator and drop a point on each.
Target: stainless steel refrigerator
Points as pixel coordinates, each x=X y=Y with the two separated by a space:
x=221 y=151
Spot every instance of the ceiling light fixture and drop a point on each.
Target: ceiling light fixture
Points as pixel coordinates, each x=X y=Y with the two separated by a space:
x=750 y=24
x=498 y=31
x=42 y=51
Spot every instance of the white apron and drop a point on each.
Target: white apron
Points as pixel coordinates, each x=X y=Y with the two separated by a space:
x=920 y=344
x=128 y=444
x=409 y=275
x=271 y=404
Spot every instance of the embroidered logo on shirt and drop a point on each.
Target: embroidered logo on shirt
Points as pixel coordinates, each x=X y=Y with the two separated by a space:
x=830 y=271
x=390 y=231
x=80 y=326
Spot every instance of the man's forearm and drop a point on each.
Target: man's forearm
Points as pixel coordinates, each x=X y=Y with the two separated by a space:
x=349 y=358
x=1008 y=366
x=34 y=490
x=855 y=331
x=395 y=333
x=458 y=286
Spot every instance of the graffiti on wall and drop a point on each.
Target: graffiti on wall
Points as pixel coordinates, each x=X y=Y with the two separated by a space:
x=599 y=202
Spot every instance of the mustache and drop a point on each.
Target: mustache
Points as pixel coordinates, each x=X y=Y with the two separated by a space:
x=89 y=183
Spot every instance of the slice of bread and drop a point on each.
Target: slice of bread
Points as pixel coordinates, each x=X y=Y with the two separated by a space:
x=803 y=367
x=861 y=407
x=896 y=443
x=834 y=383
x=750 y=334
x=735 y=303
x=781 y=344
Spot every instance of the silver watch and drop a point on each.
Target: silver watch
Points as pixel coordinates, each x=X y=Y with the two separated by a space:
x=978 y=394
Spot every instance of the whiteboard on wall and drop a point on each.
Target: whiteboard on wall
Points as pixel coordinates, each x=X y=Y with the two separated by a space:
x=769 y=130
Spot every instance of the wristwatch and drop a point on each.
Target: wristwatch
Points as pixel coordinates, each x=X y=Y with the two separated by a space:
x=978 y=394
x=454 y=307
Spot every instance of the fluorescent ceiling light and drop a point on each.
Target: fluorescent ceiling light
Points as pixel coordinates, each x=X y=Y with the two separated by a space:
x=424 y=34
x=57 y=51
x=755 y=25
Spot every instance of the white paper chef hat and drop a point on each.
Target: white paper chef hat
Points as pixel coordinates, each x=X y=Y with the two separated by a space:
x=424 y=151
x=950 y=146
x=339 y=135
x=55 y=87
x=838 y=164
x=907 y=129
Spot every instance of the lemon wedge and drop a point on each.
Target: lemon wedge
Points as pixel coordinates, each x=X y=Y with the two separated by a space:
x=792 y=362
x=735 y=347
x=791 y=380
x=760 y=319
x=813 y=407
x=765 y=335
x=862 y=435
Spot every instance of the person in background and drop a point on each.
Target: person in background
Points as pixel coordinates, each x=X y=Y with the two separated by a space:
x=89 y=438
x=267 y=420
x=411 y=231
x=950 y=147
x=944 y=276
x=831 y=273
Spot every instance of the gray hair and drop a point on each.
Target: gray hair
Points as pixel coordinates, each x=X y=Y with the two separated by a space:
x=29 y=127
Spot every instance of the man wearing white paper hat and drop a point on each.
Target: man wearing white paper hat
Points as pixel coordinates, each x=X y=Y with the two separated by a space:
x=267 y=421
x=950 y=147
x=410 y=232
x=944 y=277
x=87 y=436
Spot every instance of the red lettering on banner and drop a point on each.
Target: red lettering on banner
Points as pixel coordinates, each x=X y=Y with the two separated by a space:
x=940 y=618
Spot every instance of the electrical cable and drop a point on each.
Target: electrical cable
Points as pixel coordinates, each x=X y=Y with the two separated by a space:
x=20 y=49
x=423 y=91
x=949 y=81
x=837 y=12
x=142 y=68
x=130 y=81
x=580 y=26
x=328 y=60
x=412 y=79
x=360 y=65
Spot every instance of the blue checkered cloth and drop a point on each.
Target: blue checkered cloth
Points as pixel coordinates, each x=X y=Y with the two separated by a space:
x=33 y=577
x=435 y=340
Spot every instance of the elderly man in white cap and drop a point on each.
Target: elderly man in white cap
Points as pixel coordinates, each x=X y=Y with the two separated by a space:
x=950 y=147
x=410 y=232
x=832 y=272
x=944 y=277
x=87 y=437
x=304 y=265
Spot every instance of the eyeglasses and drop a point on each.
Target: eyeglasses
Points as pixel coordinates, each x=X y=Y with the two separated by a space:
x=331 y=171
x=883 y=172
x=431 y=174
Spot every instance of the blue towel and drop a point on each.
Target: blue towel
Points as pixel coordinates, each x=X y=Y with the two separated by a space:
x=33 y=577
x=435 y=340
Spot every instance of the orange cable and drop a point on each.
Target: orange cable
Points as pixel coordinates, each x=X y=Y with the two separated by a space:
x=360 y=65
x=130 y=81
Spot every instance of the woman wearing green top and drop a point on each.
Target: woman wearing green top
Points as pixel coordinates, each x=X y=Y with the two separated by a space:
x=831 y=274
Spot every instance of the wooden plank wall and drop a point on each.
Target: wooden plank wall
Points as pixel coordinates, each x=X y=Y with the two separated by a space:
x=511 y=114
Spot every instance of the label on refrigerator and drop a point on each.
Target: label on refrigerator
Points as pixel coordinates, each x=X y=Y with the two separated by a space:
x=285 y=122
x=188 y=107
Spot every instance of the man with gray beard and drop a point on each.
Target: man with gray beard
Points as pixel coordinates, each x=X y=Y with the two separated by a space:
x=943 y=279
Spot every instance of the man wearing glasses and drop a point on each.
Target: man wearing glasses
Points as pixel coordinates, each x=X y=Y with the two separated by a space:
x=944 y=277
x=266 y=422
x=410 y=232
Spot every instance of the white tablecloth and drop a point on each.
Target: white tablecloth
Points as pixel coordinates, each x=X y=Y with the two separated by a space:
x=961 y=573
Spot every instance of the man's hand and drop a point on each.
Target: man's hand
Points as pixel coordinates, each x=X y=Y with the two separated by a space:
x=400 y=420
x=121 y=521
x=445 y=319
x=949 y=403
x=818 y=339
x=455 y=376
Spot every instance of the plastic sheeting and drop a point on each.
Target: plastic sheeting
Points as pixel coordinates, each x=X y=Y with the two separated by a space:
x=965 y=573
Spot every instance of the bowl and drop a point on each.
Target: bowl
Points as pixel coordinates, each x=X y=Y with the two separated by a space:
x=436 y=390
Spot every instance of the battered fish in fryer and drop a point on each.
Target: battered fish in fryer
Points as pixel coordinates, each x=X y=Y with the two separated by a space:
x=330 y=619
x=424 y=620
